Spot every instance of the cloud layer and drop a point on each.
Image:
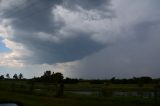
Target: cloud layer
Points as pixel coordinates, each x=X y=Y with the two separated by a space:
x=52 y=32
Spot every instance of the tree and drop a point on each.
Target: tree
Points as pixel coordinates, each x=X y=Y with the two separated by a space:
x=7 y=76
x=2 y=77
x=15 y=76
x=70 y=81
x=46 y=76
x=20 y=76
x=47 y=73
x=113 y=79
x=52 y=77
x=58 y=78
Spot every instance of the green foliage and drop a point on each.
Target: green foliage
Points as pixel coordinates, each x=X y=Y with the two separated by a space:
x=42 y=91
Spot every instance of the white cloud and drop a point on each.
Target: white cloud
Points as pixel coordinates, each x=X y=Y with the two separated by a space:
x=10 y=4
x=94 y=23
x=101 y=28
x=13 y=58
x=6 y=30
x=132 y=57
x=47 y=37
x=17 y=50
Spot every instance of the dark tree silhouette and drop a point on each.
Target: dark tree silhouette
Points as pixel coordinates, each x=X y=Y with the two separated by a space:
x=2 y=77
x=71 y=81
x=15 y=76
x=47 y=73
x=20 y=76
x=58 y=78
x=47 y=77
x=7 y=76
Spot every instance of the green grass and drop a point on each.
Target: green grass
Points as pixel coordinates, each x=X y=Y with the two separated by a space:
x=75 y=100
x=7 y=84
x=46 y=95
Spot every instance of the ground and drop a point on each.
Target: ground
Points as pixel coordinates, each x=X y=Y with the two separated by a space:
x=44 y=95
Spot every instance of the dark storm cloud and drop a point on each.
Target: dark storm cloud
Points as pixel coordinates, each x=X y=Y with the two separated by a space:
x=33 y=16
x=100 y=5
x=69 y=50
x=36 y=16
x=87 y=4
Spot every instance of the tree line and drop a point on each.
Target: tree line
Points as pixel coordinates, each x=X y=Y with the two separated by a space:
x=51 y=77
x=58 y=79
x=134 y=80
x=15 y=76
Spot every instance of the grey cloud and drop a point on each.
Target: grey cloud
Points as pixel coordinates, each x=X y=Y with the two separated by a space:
x=69 y=50
x=33 y=18
x=143 y=30
x=100 y=5
x=87 y=4
x=137 y=57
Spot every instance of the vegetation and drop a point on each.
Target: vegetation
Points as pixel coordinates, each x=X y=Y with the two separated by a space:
x=75 y=100
x=52 y=89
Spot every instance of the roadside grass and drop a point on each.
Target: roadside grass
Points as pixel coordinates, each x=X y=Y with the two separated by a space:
x=44 y=94
x=75 y=100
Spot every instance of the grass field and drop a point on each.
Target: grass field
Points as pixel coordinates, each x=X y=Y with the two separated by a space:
x=75 y=100
x=44 y=94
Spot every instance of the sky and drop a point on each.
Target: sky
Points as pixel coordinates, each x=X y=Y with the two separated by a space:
x=91 y=39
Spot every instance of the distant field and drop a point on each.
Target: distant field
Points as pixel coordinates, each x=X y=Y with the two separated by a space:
x=110 y=86
x=75 y=100
x=80 y=86
x=44 y=94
